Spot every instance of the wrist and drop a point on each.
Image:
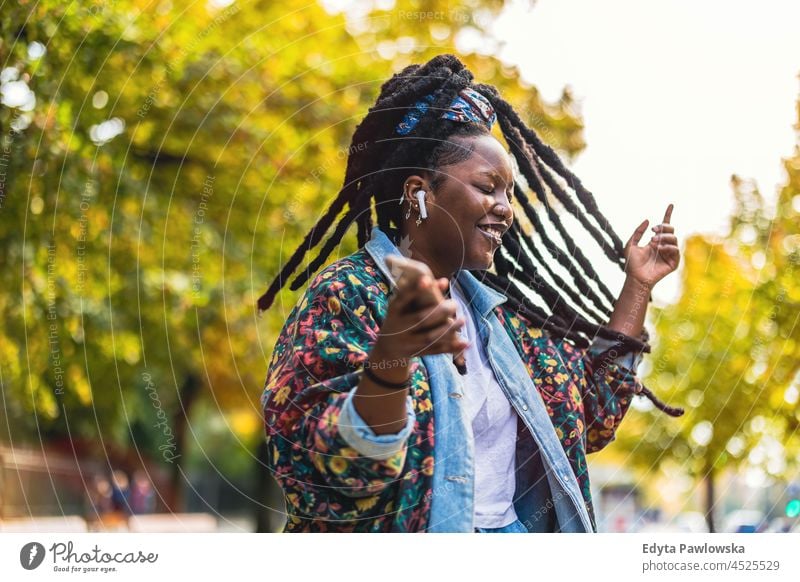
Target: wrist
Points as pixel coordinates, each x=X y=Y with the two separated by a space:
x=634 y=287
x=382 y=356
x=402 y=382
x=391 y=367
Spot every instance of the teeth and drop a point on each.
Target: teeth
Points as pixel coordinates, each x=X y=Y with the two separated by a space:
x=494 y=231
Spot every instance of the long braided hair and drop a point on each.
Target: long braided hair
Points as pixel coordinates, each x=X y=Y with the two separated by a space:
x=380 y=160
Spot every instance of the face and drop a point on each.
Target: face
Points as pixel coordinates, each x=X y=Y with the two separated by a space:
x=467 y=213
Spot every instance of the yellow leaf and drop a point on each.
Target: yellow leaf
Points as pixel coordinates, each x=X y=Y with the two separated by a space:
x=365 y=503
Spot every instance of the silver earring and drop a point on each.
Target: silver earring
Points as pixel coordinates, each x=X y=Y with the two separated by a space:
x=408 y=214
x=403 y=195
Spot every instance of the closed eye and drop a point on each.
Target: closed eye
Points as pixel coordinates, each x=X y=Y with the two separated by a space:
x=490 y=190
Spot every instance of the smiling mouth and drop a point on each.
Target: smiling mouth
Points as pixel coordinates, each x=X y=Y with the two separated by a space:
x=493 y=233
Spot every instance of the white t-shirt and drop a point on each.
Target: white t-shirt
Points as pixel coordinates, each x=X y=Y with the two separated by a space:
x=494 y=426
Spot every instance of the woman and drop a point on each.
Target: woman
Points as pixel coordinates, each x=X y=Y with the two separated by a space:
x=388 y=406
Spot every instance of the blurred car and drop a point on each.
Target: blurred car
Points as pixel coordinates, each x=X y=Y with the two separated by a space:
x=692 y=522
x=687 y=522
x=744 y=521
x=781 y=525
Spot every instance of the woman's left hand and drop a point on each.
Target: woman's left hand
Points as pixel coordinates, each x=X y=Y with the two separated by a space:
x=652 y=262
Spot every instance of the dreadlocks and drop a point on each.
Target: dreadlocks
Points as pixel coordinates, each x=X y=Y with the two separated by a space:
x=380 y=161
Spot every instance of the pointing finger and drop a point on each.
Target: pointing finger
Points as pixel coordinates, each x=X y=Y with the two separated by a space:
x=668 y=214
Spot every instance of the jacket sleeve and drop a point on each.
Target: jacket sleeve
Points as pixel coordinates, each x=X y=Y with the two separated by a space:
x=585 y=402
x=314 y=434
x=606 y=392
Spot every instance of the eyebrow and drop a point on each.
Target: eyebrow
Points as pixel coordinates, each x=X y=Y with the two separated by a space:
x=493 y=174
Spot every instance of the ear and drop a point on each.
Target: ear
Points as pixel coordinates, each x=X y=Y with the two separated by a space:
x=414 y=184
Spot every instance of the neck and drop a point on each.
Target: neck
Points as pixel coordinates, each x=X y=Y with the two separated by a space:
x=437 y=268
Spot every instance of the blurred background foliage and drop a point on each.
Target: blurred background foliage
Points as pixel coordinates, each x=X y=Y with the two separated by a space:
x=162 y=158
x=729 y=350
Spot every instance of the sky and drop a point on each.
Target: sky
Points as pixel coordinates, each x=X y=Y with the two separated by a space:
x=676 y=97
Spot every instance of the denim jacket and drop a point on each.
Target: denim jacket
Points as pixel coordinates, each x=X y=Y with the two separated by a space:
x=338 y=475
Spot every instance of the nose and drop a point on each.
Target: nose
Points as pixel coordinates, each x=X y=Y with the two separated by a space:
x=503 y=211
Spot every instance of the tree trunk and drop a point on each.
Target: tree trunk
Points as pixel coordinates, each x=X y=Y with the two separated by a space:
x=711 y=500
x=187 y=395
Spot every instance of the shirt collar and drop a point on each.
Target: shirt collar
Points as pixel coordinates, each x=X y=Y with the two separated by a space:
x=482 y=297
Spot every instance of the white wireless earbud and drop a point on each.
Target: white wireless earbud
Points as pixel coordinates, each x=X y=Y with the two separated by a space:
x=423 y=212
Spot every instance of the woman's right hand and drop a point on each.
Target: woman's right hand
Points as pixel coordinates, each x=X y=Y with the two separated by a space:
x=419 y=320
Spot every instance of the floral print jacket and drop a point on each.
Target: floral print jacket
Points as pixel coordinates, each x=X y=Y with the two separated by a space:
x=328 y=484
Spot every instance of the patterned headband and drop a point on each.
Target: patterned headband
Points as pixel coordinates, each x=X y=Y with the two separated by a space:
x=468 y=105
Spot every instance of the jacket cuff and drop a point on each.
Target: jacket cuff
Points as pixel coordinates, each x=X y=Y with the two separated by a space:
x=631 y=360
x=358 y=434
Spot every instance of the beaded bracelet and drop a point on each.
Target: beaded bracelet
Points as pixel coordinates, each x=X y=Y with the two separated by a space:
x=383 y=383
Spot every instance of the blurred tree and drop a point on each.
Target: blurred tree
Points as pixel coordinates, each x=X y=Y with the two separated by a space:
x=158 y=160
x=730 y=348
